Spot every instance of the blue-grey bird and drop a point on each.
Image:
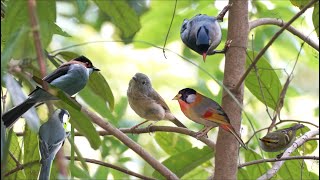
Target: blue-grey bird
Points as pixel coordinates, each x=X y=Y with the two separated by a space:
x=202 y=34
x=70 y=77
x=280 y=139
x=51 y=138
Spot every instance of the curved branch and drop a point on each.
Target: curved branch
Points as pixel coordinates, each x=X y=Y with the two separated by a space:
x=243 y=77
x=280 y=23
x=131 y=144
x=276 y=166
x=126 y=171
x=276 y=159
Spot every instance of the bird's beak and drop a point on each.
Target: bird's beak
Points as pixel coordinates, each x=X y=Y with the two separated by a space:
x=95 y=69
x=204 y=55
x=178 y=96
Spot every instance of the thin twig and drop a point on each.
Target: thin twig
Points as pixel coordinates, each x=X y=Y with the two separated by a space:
x=276 y=166
x=281 y=23
x=36 y=35
x=126 y=171
x=14 y=159
x=276 y=159
x=21 y=167
x=236 y=88
x=165 y=41
x=179 y=130
x=163 y=170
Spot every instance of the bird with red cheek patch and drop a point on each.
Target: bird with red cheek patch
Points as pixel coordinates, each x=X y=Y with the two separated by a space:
x=205 y=111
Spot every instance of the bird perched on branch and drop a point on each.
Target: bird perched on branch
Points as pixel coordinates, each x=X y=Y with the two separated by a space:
x=205 y=111
x=70 y=77
x=51 y=138
x=280 y=139
x=202 y=33
x=147 y=103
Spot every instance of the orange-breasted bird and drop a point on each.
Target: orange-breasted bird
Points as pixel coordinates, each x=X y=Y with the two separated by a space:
x=204 y=110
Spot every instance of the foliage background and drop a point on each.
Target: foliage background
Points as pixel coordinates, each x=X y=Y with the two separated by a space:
x=120 y=35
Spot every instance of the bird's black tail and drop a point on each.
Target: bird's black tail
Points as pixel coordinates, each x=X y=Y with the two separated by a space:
x=11 y=116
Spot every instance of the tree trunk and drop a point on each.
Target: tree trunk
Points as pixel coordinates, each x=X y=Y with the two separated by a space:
x=227 y=149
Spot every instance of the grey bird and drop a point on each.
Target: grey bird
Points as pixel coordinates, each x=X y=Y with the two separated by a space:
x=147 y=103
x=51 y=139
x=202 y=33
x=70 y=77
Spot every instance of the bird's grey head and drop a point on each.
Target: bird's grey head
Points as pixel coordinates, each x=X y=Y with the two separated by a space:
x=140 y=82
x=62 y=114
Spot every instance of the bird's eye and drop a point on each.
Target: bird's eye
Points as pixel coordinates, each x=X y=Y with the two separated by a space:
x=144 y=82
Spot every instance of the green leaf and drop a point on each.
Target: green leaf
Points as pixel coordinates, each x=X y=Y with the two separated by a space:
x=198 y=172
x=270 y=83
x=172 y=143
x=78 y=172
x=17 y=17
x=82 y=4
x=315 y=17
x=82 y=123
x=15 y=149
x=184 y=162
x=31 y=153
x=243 y=174
x=101 y=173
x=122 y=15
x=310 y=146
x=68 y=55
x=299 y=3
x=295 y=169
x=59 y=31
x=8 y=51
x=255 y=171
x=100 y=87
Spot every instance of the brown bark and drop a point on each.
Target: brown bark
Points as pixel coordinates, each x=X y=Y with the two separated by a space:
x=227 y=147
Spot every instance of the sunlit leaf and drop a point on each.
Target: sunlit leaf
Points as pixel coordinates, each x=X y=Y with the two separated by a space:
x=295 y=169
x=243 y=174
x=98 y=85
x=310 y=146
x=172 y=143
x=15 y=149
x=255 y=171
x=269 y=91
x=184 y=162
x=122 y=15
x=31 y=153
x=17 y=17
x=299 y=3
x=101 y=173
x=78 y=172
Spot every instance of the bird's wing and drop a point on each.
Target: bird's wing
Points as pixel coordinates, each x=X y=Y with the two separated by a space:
x=62 y=70
x=216 y=115
x=155 y=96
x=44 y=149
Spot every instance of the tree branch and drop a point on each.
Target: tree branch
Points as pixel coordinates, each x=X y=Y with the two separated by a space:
x=227 y=148
x=276 y=159
x=22 y=166
x=236 y=88
x=126 y=171
x=36 y=37
x=276 y=166
x=281 y=23
x=131 y=144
